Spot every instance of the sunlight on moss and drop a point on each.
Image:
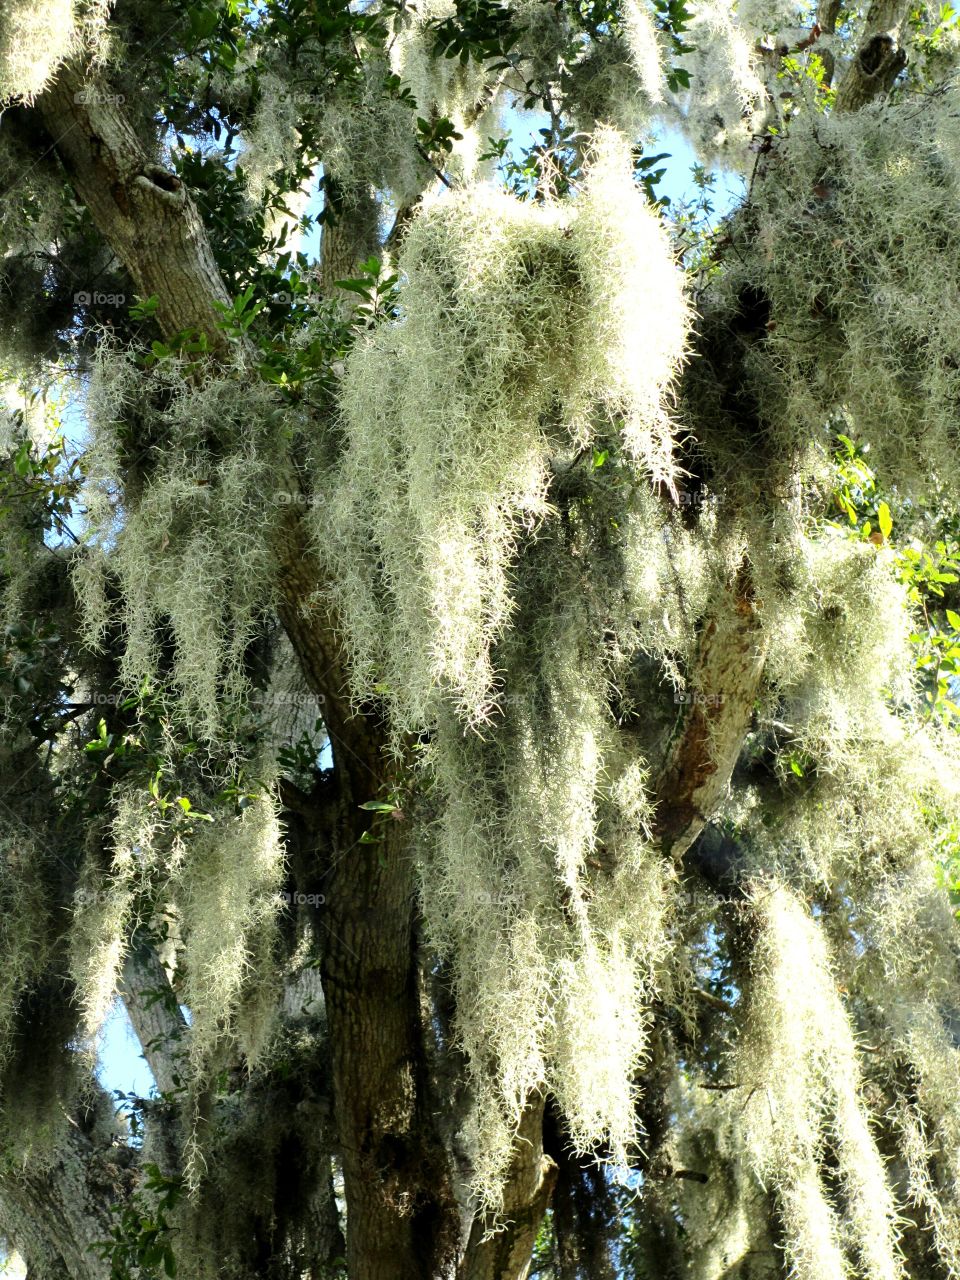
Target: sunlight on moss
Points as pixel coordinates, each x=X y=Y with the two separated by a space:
x=519 y=341
x=799 y=1052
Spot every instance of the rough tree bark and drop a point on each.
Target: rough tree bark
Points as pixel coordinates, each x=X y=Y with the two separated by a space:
x=154 y=1013
x=721 y=697
x=56 y=1213
x=878 y=61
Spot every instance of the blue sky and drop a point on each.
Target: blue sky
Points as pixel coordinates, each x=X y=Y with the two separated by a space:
x=121 y=1063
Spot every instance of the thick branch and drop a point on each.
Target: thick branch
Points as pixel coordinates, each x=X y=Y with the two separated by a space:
x=143 y=210
x=154 y=1013
x=53 y=1212
x=505 y=1254
x=402 y=1215
x=721 y=697
x=351 y=236
x=879 y=59
x=314 y=633
x=827 y=13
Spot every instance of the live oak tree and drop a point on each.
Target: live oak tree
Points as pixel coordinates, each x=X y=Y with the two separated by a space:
x=481 y=693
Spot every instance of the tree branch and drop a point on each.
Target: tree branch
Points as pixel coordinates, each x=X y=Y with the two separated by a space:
x=879 y=59
x=127 y=193
x=54 y=1211
x=722 y=695
x=154 y=1012
x=504 y=1254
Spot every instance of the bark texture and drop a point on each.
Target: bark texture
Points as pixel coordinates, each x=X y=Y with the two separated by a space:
x=56 y=1213
x=878 y=61
x=720 y=706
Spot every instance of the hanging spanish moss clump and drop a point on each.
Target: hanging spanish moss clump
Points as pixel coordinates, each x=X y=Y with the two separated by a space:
x=228 y=898
x=36 y=36
x=640 y=36
x=509 y=558
x=726 y=105
x=541 y=890
x=465 y=93
x=858 y=323
x=843 y=659
x=104 y=911
x=617 y=78
x=190 y=551
x=808 y=1129
x=31 y=205
x=529 y=332
x=541 y=887
x=906 y=973
x=193 y=854
x=214 y=876
x=860 y=840
x=127 y=885
x=270 y=136
x=369 y=137
x=724 y=1207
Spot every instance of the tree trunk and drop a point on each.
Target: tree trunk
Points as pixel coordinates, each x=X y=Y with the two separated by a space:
x=54 y=1213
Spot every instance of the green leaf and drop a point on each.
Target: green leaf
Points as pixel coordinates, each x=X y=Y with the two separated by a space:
x=647 y=162
x=884 y=519
x=22 y=464
x=363 y=287
x=953 y=619
x=144 y=307
x=202 y=22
